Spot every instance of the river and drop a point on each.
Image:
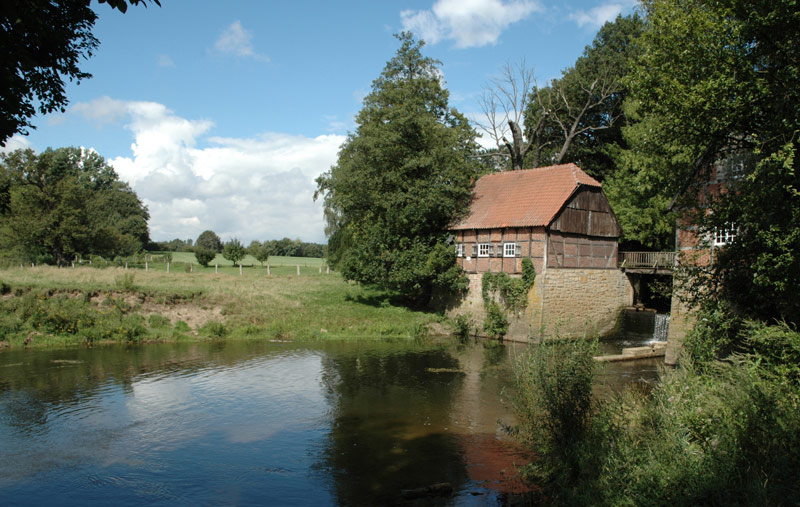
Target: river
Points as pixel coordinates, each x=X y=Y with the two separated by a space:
x=256 y=422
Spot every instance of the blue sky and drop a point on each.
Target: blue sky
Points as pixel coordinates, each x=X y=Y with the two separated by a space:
x=221 y=114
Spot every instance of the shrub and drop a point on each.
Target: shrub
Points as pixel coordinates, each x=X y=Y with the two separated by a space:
x=204 y=255
x=553 y=405
x=462 y=327
x=495 y=324
x=157 y=321
x=213 y=329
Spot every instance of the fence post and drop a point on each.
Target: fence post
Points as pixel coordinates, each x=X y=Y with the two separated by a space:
x=327 y=269
x=240 y=270
x=168 y=267
x=126 y=265
x=320 y=268
x=146 y=267
x=268 y=269
x=216 y=268
x=191 y=267
x=73 y=264
x=298 y=270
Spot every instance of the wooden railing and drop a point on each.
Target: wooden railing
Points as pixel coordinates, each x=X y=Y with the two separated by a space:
x=647 y=260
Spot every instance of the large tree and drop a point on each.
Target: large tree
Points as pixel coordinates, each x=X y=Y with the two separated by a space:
x=400 y=180
x=67 y=202
x=718 y=78
x=42 y=44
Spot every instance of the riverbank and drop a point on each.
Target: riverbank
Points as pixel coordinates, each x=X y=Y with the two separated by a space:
x=46 y=306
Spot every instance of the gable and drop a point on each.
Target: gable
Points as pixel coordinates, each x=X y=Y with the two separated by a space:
x=588 y=213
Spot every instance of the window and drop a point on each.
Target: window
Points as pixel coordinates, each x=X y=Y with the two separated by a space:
x=485 y=250
x=509 y=250
x=725 y=235
x=461 y=249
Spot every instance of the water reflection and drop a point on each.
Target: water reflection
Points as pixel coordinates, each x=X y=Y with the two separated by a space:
x=256 y=422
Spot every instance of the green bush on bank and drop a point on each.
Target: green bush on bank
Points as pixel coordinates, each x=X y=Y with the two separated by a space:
x=726 y=433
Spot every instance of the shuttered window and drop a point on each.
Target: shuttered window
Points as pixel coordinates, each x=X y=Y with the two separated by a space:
x=509 y=249
x=485 y=250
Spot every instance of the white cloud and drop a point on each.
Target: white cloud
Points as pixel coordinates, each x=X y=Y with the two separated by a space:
x=470 y=23
x=598 y=16
x=250 y=188
x=165 y=61
x=15 y=142
x=237 y=41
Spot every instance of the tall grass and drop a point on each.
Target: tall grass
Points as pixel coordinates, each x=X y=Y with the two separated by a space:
x=725 y=434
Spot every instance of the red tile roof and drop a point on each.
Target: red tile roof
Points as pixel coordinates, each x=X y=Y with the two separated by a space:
x=527 y=198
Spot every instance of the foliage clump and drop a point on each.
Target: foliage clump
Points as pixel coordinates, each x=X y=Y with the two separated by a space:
x=66 y=203
x=511 y=292
x=400 y=180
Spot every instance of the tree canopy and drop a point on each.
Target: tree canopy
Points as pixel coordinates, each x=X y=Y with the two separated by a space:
x=400 y=180
x=43 y=42
x=66 y=202
x=717 y=78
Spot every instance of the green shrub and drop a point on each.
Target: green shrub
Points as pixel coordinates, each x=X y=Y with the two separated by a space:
x=462 y=327
x=157 y=321
x=495 y=324
x=553 y=406
x=213 y=329
x=125 y=281
x=182 y=327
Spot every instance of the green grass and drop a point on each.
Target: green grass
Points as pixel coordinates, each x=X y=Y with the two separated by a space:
x=251 y=306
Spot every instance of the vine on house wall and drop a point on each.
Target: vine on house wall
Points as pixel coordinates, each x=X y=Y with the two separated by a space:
x=512 y=292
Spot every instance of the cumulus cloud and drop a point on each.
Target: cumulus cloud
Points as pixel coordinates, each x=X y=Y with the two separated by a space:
x=237 y=41
x=598 y=16
x=249 y=188
x=469 y=23
x=15 y=142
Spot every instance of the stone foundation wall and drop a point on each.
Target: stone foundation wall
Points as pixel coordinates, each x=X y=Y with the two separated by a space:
x=581 y=302
x=563 y=302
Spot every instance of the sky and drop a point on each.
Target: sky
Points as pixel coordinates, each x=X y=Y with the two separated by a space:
x=220 y=115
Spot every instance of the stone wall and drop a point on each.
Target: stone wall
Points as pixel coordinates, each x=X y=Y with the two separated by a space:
x=580 y=302
x=562 y=302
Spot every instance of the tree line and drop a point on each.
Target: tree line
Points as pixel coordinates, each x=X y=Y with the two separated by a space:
x=66 y=203
x=281 y=247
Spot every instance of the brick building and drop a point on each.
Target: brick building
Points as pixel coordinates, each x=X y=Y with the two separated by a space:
x=558 y=216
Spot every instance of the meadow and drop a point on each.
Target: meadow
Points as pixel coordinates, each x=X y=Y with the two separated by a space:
x=50 y=306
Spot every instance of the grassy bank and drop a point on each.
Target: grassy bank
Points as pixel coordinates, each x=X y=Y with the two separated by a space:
x=47 y=306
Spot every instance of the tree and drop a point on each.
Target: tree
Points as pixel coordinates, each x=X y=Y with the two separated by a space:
x=204 y=255
x=210 y=241
x=234 y=251
x=720 y=78
x=262 y=253
x=400 y=180
x=503 y=103
x=67 y=202
x=43 y=41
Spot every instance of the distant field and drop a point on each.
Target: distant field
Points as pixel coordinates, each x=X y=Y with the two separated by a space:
x=249 y=260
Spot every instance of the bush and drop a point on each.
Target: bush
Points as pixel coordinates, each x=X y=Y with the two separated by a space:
x=213 y=329
x=553 y=406
x=204 y=255
x=462 y=327
x=125 y=281
x=495 y=324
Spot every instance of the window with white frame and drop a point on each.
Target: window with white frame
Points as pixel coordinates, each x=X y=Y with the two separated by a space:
x=725 y=235
x=509 y=249
x=461 y=249
x=484 y=249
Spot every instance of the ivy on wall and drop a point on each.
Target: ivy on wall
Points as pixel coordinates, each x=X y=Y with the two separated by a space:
x=512 y=292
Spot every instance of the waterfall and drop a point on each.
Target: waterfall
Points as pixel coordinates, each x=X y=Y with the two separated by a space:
x=661 y=327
